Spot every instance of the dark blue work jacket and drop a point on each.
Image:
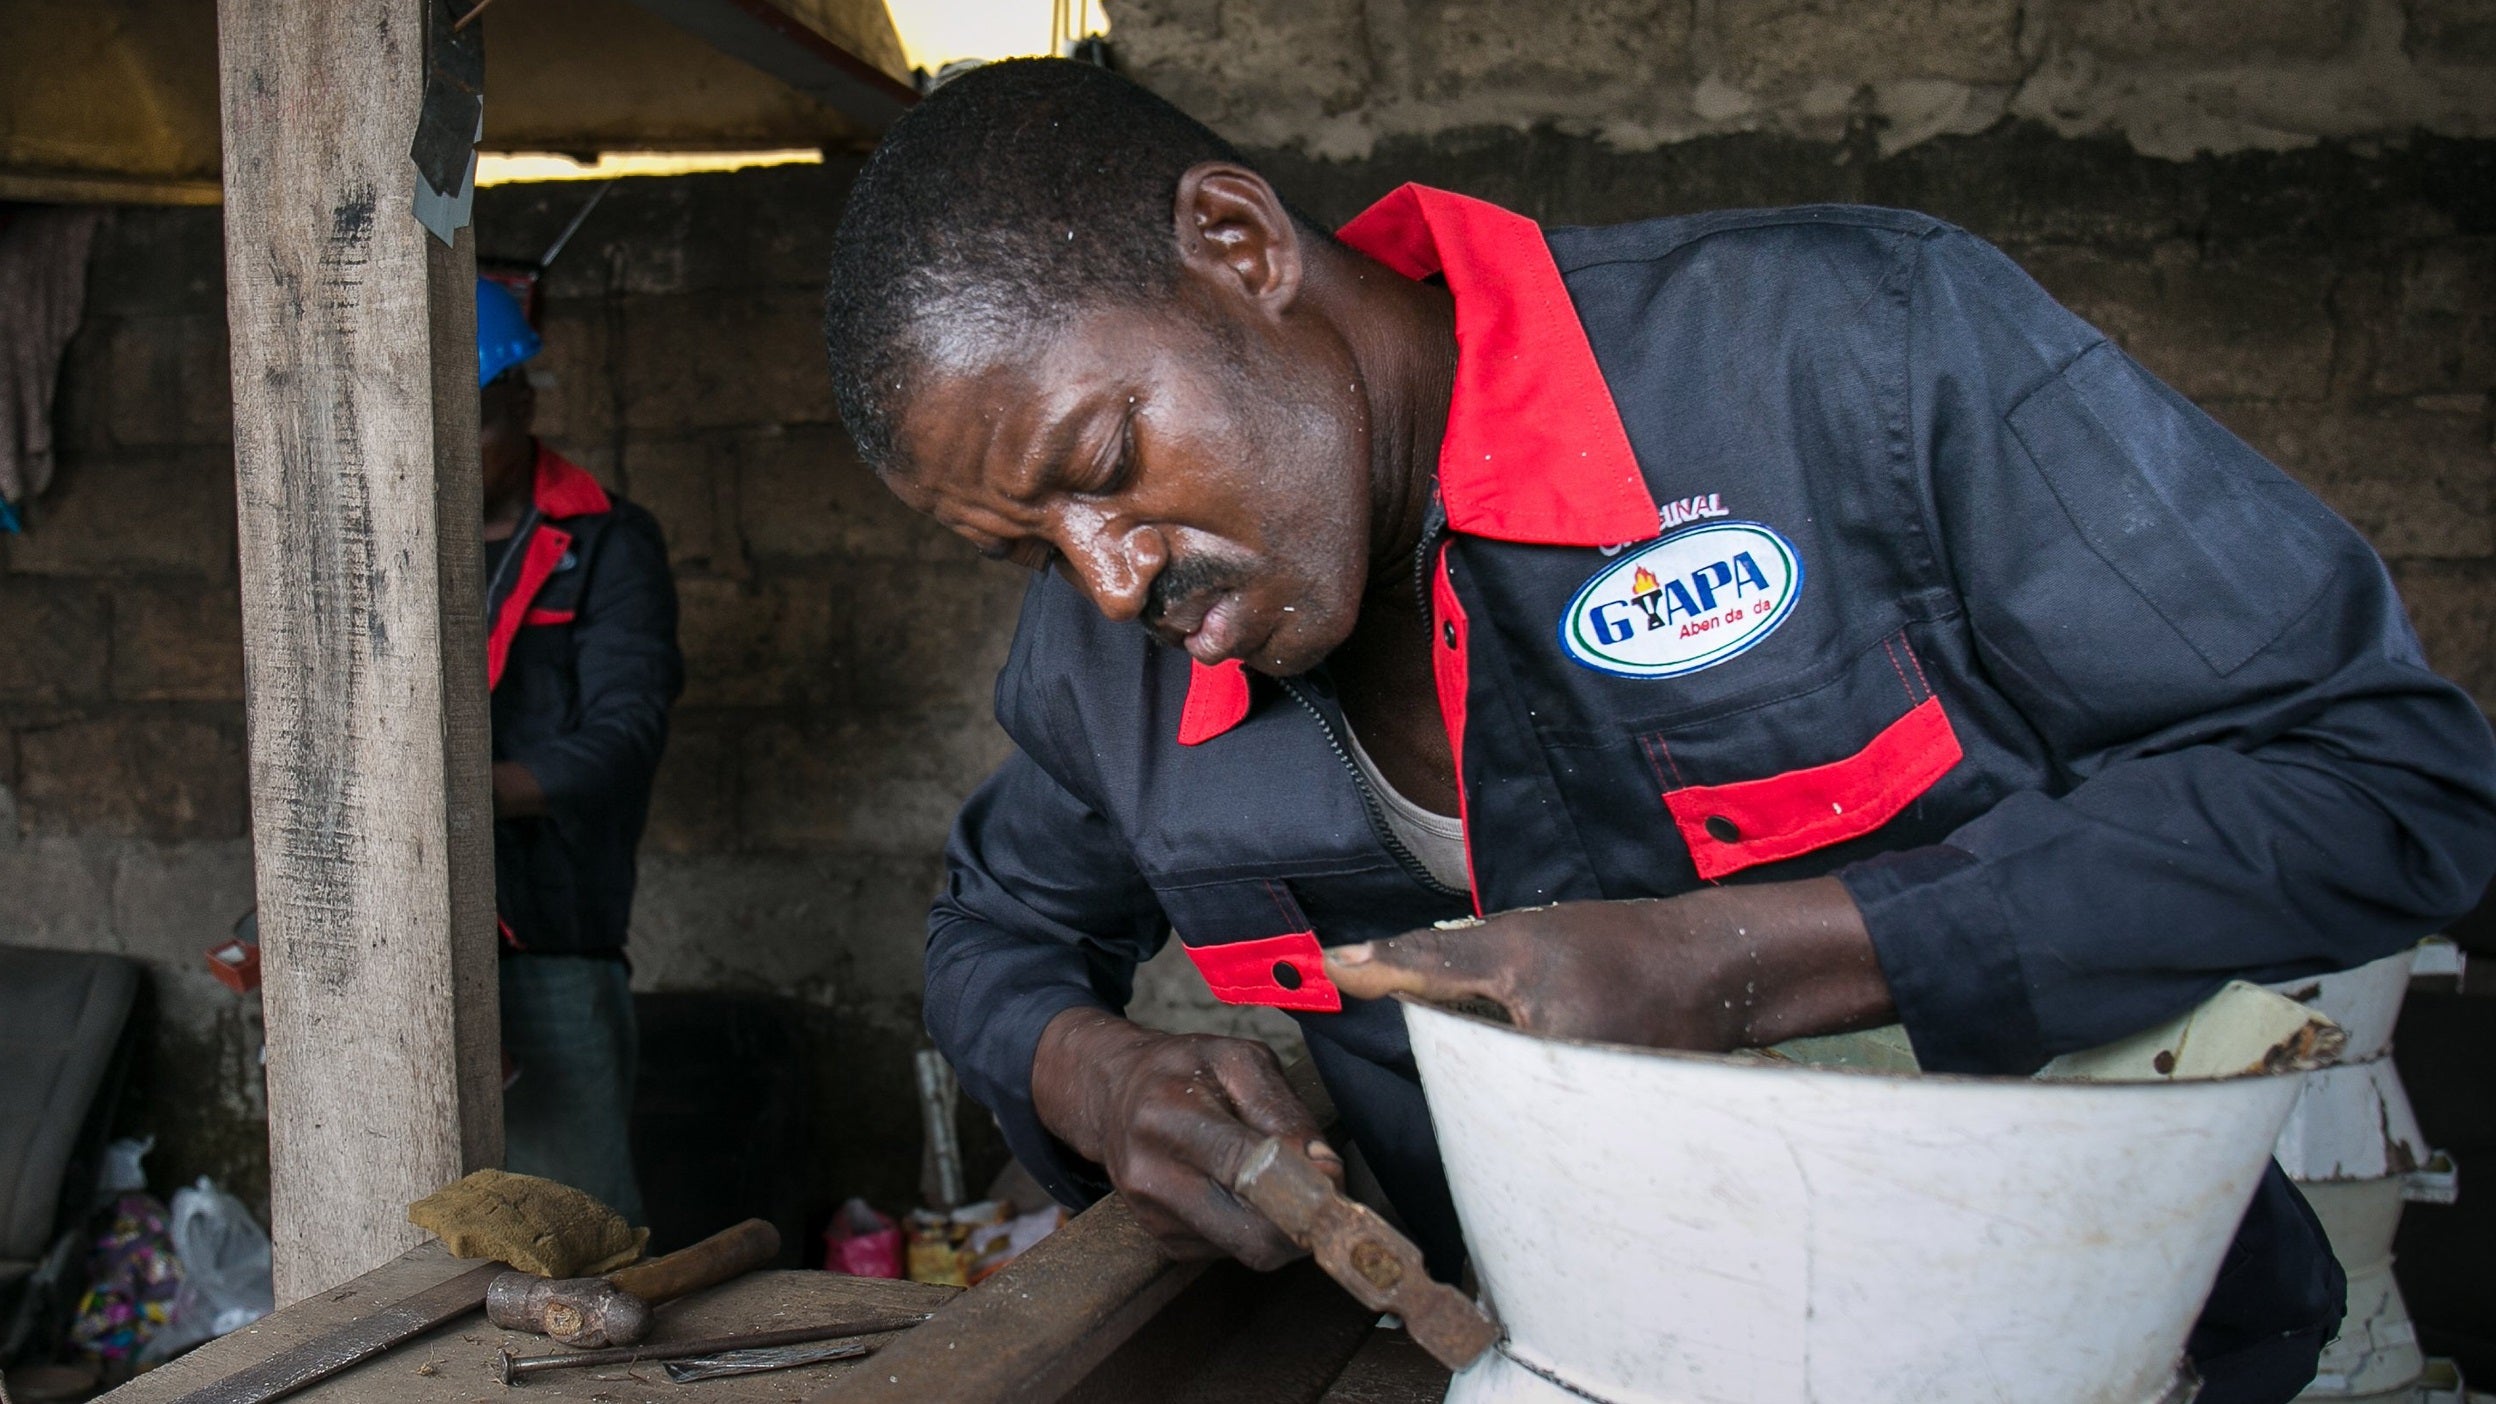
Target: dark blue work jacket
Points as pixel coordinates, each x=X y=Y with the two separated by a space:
x=581 y=656
x=1768 y=545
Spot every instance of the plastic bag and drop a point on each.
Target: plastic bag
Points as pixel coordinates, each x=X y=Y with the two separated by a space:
x=862 y=1242
x=225 y=1270
x=122 y=1173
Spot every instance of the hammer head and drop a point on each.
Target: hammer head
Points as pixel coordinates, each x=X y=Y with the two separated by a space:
x=578 y=1311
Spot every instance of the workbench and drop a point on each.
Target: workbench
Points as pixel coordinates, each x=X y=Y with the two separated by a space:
x=1092 y=1313
x=456 y=1363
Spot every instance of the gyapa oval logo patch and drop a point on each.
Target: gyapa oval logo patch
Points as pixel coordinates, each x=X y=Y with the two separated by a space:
x=1689 y=601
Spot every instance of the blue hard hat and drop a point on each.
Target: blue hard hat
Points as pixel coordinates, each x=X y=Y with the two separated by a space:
x=504 y=336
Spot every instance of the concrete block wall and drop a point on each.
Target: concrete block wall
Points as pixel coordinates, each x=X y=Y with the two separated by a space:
x=2335 y=304
x=123 y=797
x=840 y=651
x=2174 y=77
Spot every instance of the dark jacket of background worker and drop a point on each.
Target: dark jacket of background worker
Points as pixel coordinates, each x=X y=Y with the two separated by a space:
x=581 y=657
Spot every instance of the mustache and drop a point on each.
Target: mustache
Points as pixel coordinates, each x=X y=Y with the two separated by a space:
x=1189 y=579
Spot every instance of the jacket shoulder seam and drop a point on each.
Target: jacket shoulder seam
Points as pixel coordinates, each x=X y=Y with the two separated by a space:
x=1873 y=219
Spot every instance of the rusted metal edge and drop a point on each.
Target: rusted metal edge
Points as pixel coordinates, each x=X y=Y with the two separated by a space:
x=519 y=1367
x=1379 y=1266
x=307 y=1364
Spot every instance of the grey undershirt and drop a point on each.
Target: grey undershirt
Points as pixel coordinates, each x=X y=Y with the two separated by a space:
x=1438 y=840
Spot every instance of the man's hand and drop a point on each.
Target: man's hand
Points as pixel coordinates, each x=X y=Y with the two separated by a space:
x=1722 y=968
x=1172 y=1117
x=517 y=795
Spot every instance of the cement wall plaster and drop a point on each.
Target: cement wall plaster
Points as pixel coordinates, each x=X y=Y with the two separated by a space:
x=2172 y=77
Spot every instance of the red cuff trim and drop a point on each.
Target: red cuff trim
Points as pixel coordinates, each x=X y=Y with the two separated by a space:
x=547 y=616
x=1217 y=700
x=1742 y=825
x=1254 y=972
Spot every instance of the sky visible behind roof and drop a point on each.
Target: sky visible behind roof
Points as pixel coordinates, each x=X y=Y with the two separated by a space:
x=935 y=32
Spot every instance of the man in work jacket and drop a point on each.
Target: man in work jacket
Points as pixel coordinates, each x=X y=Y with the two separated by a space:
x=1809 y=570
x=581 y=656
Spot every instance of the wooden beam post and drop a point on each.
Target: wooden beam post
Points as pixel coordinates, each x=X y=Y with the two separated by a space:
x=355 y=442
x=767 y=36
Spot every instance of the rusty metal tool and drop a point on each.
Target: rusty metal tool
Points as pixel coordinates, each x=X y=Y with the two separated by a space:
x=762 y=1360
x=305 y=1365
x=614 y=1310
x=1363 y=1252
x=516 y=1368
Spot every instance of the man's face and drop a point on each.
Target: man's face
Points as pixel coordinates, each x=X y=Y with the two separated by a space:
x=1202 y=472
x=505 y=451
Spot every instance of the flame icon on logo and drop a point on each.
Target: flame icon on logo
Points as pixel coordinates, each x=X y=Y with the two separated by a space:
x=1642 y=582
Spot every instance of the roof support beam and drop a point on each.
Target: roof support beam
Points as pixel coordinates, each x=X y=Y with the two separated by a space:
x=355 y=443
x=767 y=37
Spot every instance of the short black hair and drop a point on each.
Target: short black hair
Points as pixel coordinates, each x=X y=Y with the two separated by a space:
x=1005 y=199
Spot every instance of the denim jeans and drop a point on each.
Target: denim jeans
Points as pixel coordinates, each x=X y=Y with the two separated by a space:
x=568 y=1026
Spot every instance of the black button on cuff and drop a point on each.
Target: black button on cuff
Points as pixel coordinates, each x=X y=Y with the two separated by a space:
x=1722 y=829
x=1447 y=631
x=1286 y=974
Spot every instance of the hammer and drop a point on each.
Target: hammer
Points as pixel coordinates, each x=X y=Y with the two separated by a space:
x=614 y=1310
x=1377 y=1265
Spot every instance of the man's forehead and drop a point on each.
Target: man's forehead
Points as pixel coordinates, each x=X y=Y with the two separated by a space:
x=1019 y=404
x=989 y=426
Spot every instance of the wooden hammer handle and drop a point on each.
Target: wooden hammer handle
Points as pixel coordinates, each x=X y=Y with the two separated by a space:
x=731 y=1252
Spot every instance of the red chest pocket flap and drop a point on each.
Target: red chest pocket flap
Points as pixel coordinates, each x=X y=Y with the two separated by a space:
x=1750 y=822
x=1252 y=943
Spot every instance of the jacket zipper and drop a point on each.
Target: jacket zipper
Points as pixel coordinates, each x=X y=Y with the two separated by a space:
x=518 y=547
x=1433 y=525
x=1369 y=797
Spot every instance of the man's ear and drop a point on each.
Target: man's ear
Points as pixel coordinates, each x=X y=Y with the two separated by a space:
x=1234 y=232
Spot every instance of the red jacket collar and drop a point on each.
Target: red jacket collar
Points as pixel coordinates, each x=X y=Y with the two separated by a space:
x=565 y=489
x=1534 y=450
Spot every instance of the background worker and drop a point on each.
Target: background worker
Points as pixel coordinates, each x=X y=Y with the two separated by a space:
x=1808 y=624
x=582 y=660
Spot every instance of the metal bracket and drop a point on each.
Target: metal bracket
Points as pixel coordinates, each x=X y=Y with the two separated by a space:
x=449 y=122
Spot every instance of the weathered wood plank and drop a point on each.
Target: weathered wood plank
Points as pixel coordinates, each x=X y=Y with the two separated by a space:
x=456 y=1363
x=355 y=445
x=1237 y=1336
x=1389 y=1368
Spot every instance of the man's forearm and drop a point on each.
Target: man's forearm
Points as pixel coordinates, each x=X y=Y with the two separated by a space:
x=1798 y=954
x=1721 y=968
